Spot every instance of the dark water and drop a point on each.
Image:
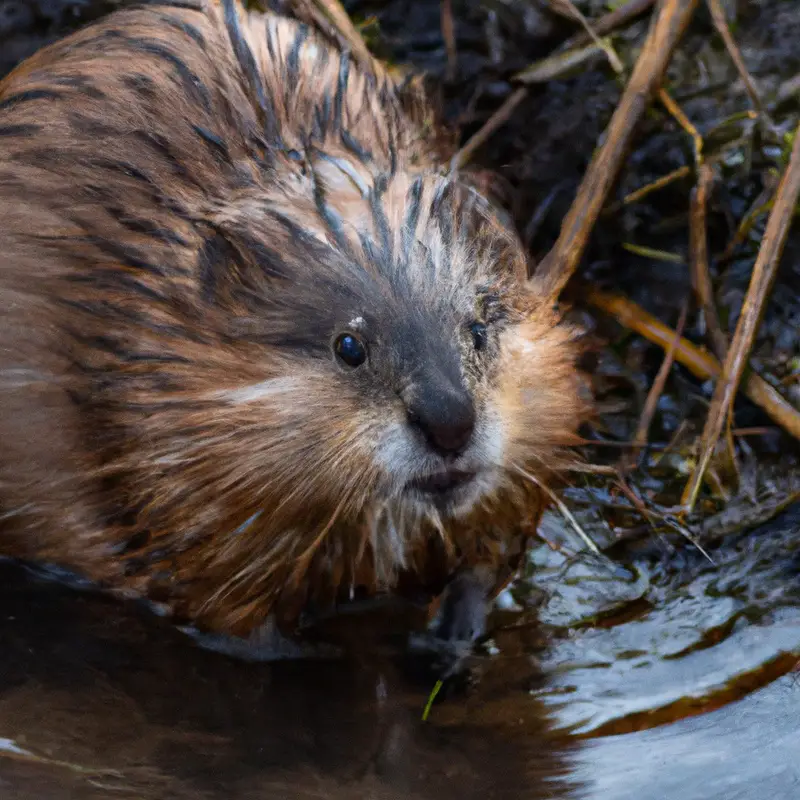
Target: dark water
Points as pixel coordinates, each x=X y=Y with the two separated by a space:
x=691 y=668
x=96 y=701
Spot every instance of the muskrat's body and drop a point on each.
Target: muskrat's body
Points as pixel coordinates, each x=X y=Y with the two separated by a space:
x=257 y=349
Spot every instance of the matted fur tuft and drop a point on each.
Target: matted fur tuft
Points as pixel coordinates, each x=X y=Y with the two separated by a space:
x=193 y=203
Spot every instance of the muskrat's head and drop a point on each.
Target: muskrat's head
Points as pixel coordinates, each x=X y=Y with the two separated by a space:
x=414 y=374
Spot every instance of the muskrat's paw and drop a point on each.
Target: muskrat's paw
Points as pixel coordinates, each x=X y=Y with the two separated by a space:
x=266 y=643
x=448 y=646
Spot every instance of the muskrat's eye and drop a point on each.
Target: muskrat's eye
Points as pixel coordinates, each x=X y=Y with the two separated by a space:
x=350 y=350
x=479 y=335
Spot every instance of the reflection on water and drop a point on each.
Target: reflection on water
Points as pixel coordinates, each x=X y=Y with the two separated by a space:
x=101 y=701
x=701 y=634
x=749 y=750
x=97 y=702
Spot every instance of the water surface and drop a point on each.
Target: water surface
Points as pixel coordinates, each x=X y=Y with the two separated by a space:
x=652 y=677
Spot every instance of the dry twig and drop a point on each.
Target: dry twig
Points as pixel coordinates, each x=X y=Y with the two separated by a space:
x=721 y=24
x=562 y=261
x=651 y=252
x=609 y=22
x=497 y=120
x=558 y=64
x=697 y=360
x=698 y=246
x=571 y=11
x=701 y=281
x=677 y=113
x=651 y=516
x=449 y=36
x=757 y=294
x=653 y=186
x=656 y=390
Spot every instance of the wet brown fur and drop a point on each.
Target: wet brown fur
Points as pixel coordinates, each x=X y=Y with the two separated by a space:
x=162 y=175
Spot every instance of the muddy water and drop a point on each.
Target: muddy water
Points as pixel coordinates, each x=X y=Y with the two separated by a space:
x=686 y=663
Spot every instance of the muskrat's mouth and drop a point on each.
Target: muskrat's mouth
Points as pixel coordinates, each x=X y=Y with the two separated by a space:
x=442 y=483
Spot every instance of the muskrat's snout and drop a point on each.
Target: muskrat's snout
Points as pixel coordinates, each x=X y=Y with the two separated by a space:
x=444 y=413
x=442 y=447
x=441 y=416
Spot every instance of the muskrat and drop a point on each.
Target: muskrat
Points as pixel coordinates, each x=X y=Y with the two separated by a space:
x=260 y=349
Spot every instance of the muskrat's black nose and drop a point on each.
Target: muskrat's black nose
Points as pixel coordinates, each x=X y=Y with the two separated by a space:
x=445 y=415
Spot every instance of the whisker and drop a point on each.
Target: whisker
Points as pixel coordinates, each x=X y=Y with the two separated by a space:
x=566 y=513
x=269 y=562
x=556 y=470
